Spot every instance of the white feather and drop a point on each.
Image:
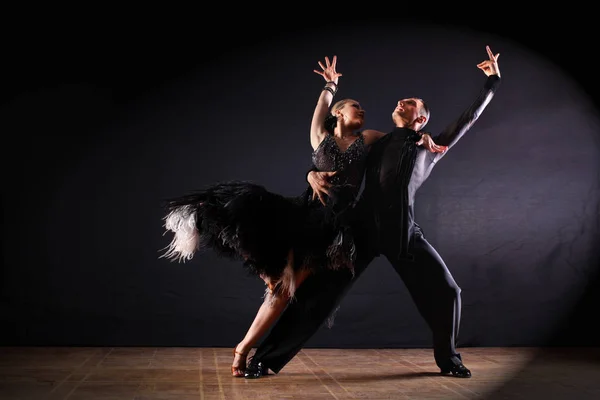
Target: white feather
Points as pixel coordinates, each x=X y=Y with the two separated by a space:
x=186 y=241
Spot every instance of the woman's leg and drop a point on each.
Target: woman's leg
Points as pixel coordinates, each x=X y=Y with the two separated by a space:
x=271 y=308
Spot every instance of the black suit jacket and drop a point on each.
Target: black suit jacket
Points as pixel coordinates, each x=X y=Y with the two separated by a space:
x=382 y=197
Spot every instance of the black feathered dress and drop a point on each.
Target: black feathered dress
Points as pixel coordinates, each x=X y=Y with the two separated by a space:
x=242 y=220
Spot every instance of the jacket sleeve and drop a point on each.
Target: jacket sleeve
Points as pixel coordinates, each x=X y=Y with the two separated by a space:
x=460 y=126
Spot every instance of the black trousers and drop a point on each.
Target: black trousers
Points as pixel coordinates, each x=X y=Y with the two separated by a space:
x=428 y=280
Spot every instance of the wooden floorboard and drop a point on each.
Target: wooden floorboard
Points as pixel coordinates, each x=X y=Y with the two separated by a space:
x=91 y=373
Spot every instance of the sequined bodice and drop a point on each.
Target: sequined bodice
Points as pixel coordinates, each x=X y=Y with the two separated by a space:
x=350 y=163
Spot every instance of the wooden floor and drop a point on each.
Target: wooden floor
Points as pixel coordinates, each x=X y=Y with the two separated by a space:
x=88 y=373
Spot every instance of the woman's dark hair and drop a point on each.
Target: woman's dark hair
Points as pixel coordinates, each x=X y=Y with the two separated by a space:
x=330 y=123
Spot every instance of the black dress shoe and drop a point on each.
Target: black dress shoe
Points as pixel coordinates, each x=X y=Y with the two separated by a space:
x=458 y=370
x=255 y=369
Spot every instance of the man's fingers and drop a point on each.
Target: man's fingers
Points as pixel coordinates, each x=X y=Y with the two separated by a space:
x=324 y=175
x=321 y=199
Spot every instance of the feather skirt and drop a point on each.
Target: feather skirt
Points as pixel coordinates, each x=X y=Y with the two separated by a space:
x=244 y=221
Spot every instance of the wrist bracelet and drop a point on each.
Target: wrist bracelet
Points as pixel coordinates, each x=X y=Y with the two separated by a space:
x=330 y=90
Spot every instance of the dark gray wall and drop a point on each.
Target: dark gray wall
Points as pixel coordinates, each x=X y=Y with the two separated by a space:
x=103 y=129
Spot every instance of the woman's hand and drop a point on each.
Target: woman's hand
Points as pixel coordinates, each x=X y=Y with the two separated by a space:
x=427 y=142
x=328 y=70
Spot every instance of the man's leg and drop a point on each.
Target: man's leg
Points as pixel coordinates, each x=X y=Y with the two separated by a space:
x=437 y=297
x=314 y=302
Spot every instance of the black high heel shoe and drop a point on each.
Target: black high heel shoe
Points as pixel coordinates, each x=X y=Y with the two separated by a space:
x=255 y=369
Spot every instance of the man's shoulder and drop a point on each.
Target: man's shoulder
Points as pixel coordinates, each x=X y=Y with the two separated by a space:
x=381 y=142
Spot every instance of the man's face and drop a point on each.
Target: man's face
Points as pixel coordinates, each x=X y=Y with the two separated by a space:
x=407 y=110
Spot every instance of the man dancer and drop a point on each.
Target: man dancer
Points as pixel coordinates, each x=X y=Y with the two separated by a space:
x=396 y=168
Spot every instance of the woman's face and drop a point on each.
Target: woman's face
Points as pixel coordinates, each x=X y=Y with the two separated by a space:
x=351 y=115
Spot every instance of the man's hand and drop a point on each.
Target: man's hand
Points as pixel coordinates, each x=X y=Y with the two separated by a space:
x=427 y=142
x=490 y=67
x=319 y=182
